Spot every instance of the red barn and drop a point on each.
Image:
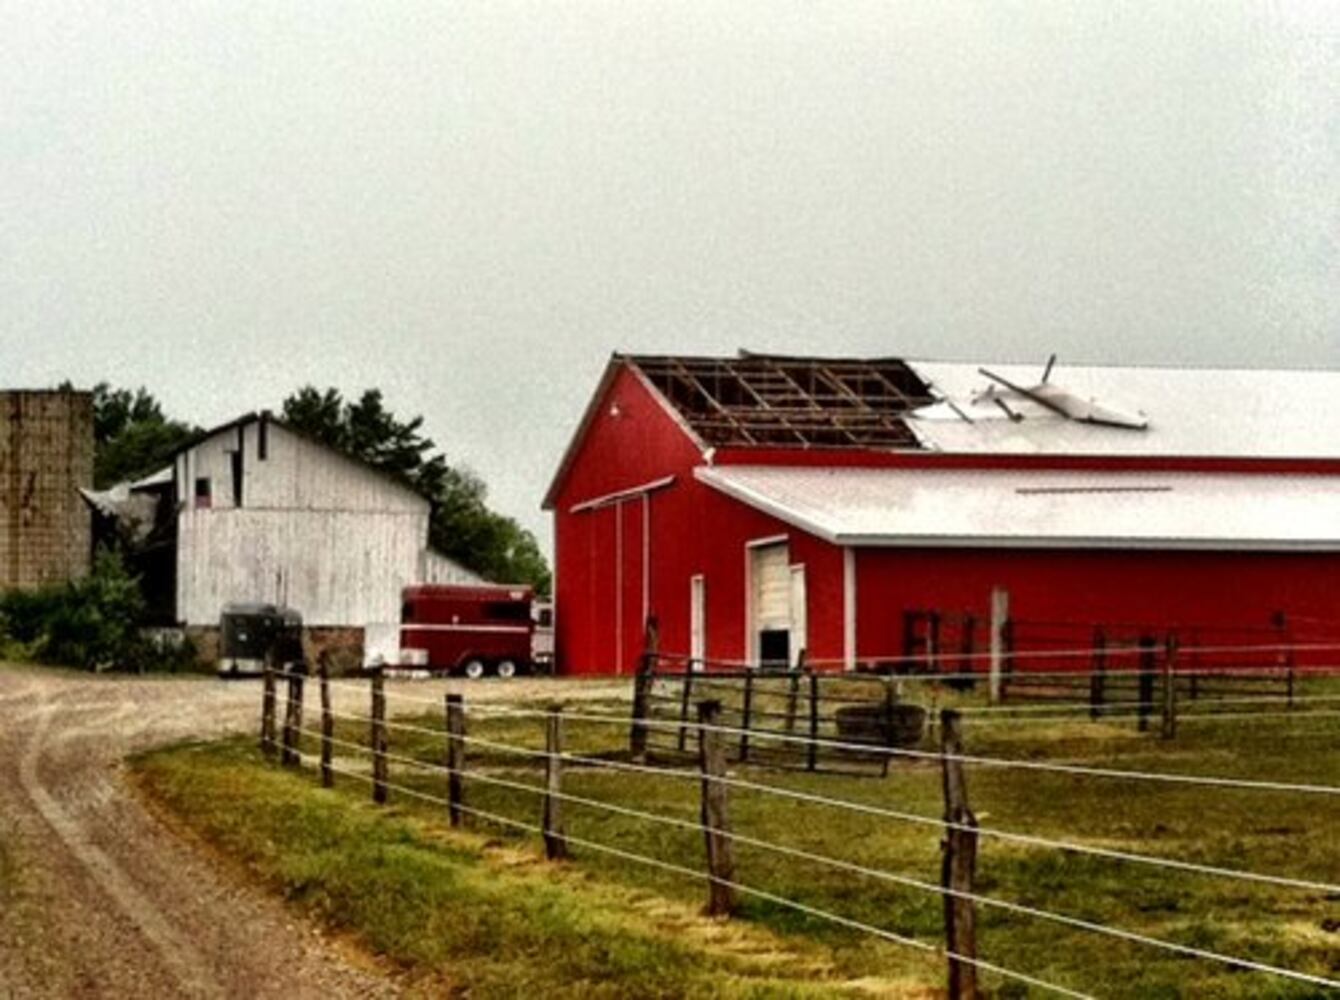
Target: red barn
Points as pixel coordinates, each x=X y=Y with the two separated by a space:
x=759 y=505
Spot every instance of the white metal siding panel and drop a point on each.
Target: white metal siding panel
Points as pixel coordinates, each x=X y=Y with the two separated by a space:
x=771 y=578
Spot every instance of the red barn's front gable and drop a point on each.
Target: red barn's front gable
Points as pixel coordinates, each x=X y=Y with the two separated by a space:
x=634 y=527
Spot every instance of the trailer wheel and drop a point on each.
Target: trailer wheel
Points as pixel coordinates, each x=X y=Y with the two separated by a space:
x=473 y=668
x=506 y=669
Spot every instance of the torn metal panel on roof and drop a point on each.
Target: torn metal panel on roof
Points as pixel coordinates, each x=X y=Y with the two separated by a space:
x=1191 y=412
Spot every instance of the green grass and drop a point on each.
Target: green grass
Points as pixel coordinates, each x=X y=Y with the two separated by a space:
x=1278 y=833
x=460 y=912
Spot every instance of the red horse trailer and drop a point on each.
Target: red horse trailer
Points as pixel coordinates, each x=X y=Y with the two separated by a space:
x=468 y=629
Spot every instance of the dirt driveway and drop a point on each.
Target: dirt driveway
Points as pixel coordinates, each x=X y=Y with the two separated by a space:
x=99 y=899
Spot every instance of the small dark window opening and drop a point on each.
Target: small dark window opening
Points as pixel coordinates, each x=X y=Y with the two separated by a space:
x=507 y=611
x=774 y=647
x=237 y=478
x=407 y=612
x=203 y=493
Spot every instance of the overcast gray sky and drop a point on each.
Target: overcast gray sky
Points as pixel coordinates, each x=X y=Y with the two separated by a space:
x=472 y=204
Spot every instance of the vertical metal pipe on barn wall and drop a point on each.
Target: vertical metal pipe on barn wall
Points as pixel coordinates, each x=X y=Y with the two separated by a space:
x=1000 y=615
x=848 y=608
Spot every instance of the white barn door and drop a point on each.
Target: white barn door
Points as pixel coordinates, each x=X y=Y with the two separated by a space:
x=769 y=602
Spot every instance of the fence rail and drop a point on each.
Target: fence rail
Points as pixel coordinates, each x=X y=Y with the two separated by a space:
x=714 y=739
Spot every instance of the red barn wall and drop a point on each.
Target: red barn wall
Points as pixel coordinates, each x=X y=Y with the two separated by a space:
x=1161 y=589
x=693 y=529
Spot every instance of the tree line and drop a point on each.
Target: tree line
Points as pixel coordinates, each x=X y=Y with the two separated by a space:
x=134 y=437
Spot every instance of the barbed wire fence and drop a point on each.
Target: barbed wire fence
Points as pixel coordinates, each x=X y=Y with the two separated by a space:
x=711 y=740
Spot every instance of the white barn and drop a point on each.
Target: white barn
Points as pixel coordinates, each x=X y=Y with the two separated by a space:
x=264 y=513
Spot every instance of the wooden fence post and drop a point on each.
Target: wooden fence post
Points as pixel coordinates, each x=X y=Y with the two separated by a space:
x=959 y=864
x=555 y=837
x=1098 y=674
x=715 y=817
x=455 y=758
x=377 y=736
x=746 y=713
x=812 y=748
x=1000 y=614
x=293 y=715
x=268 y=707
x=1170 y=688
x=327 y=723
x=1146 y=696
x=642 y=681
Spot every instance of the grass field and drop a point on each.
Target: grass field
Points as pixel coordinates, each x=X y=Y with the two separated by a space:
x=358 y=869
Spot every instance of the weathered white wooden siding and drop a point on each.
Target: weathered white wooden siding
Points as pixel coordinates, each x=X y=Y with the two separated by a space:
x=316 y=531
x=439 y=569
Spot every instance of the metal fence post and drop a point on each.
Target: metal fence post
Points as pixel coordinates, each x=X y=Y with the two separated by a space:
x=268 y=707
x=293 y=715
x=715 y=816
x=684 y=701
x=377 y=737
x=793 y=692
x=555 y=838
x=1147 y=658
x=642 y=681
x=1098 y=674
x=1170 y=688
x=455 y=758
x=812 y=748
x=746 y=713
x=327 y=724
x=959 y=864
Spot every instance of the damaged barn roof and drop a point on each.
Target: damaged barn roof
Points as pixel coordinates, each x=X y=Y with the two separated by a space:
x=1053 y=409
x=761 y=399
x=766 y=400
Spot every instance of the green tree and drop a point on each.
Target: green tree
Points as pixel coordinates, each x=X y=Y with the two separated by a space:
x=132 y=436
x=462 y=524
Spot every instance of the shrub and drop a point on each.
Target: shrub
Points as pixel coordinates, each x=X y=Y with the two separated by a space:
x=93 y=623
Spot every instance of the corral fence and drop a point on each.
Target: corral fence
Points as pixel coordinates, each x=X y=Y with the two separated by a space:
x=712 y=740
x=1149 y=677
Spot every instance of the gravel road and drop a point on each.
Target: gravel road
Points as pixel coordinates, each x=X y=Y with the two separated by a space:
x=99 y=899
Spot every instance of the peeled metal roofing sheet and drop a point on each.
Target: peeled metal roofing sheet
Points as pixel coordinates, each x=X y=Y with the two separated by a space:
x=1207 y=412
x=1031 y=508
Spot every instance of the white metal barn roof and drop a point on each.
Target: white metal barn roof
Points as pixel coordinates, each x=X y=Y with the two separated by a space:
x=1201 y=412
x=1049 y=509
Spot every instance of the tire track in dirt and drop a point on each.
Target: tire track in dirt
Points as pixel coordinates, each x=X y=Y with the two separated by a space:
x=180 y=957
x=104 y=900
